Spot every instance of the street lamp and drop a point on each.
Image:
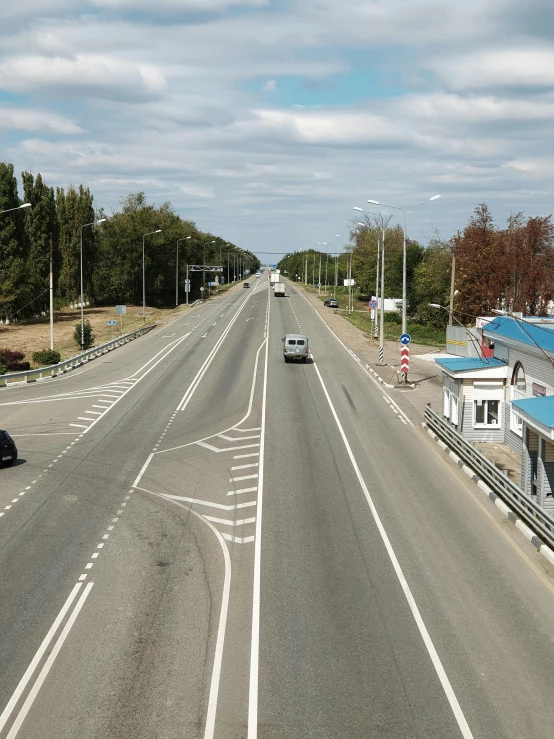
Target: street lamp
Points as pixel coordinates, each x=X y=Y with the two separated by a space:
x=25 y=205
x=185 y=238
x=404 y=209
x=93 y=223
x=157 y=231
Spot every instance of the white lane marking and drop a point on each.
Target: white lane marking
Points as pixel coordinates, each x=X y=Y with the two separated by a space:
x=244 y=431
x=227 y=522
x=435 y=659
x=79 y=425
x=36 y=659
x=237 y=539
x=237 y=438
x=48 y=664
x=224 y=449
x=243 y=456
x=48 y=433
x=243 y=477
x=242 y=490
x=244 y=466
x=94 y=413
x=358 y=363
x=207 y=503
x=203 y=369
x=168 y=336
x=205 y=335
x=82 y=418
x=255 y=642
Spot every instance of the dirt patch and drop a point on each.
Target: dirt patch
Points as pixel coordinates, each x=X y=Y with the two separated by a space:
x=29 y=336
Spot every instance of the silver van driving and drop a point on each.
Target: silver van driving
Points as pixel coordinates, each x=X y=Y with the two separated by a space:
x=295 y=347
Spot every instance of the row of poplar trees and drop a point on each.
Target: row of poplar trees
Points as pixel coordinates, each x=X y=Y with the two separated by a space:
x=509 y=268
x=112 y=251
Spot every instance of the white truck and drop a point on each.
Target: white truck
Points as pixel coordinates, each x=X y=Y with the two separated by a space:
x=274 y=277
x=279 y=289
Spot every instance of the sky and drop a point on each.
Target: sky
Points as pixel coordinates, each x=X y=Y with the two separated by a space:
x=266 y=121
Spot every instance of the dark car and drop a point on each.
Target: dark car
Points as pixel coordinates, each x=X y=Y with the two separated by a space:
x=331 y=303
x=8 y=451
x=246 y=284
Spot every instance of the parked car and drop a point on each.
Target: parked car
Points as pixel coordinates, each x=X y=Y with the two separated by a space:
x=246 y=284
x=331 y=303
x=295 y=347
x=8 y=450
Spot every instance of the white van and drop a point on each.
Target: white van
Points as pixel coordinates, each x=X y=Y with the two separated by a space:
x=295 y=347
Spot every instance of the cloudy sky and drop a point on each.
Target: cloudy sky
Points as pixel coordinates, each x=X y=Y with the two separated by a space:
x=265 y=121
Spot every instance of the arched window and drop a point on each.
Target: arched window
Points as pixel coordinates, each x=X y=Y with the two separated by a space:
x=518 y=392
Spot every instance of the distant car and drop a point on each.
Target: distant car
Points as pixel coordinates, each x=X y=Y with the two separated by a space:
x=331 y=303
x=246 y=284
x=8 y=450
x=257 y=274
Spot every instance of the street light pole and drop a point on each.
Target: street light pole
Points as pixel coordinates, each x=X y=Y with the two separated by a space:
x=204 y=269
x=186 y=238
x=404 y=209
x=93 y=223
x=157 y=231
x=19 y=207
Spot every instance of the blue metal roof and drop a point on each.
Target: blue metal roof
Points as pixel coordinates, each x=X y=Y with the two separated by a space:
x=540 y=410
x=523 y=331
x=466 y=364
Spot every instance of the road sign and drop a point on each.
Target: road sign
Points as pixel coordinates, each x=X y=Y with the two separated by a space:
x=121 y=310
x=201 y=289
x=187 y=282
x=112 y=323
x=404 y=359
x=372 y=314
x=405 y=339
x=373 y=303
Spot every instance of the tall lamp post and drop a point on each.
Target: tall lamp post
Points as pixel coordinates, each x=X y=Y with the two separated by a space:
x=157 y=231
x=19 y=207
x=185 y=238
x=404 y=209
x=92 y=223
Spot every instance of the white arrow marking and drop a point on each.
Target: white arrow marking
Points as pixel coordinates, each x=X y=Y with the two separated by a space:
x=203 y=337
x=249 y=319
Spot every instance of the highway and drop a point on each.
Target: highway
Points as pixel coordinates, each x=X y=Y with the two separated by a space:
x=200 y=540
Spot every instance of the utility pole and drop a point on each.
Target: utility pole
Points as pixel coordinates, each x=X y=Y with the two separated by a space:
x=452 y=279
x=51 y=296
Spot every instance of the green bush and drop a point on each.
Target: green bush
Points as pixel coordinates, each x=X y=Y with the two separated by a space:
x=3 y=369
x=46 y=357
x=87 y=339
x=392 y=317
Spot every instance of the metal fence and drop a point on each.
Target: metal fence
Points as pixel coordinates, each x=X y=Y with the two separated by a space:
x=42 y=373
x=523 y=505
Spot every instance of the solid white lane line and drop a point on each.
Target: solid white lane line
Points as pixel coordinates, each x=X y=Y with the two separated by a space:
x=222 y=449
x=48 y=664
x=243 y=477
x=243 y=456
x=255 y=641
x=435 y=659
x=244 y=466
x=237 y=438
x=94 y=413
x=79 y=425
x=10 y=705
x=82 y=418
x=227 y=522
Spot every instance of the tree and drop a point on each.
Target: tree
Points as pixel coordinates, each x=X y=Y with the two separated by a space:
x=12 y=243
x=431 y=282
x=41 y=225
x=74 y=209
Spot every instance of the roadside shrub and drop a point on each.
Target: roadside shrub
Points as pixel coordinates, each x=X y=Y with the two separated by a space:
x=13 y=361
x=45 y=357
x=87 y=338
x=392 y=317
x=3 y=369
x=19 y=367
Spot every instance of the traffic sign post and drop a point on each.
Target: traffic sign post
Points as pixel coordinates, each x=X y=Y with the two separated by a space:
x=404 y=362
x=111 y=324
x=405 y=339
x=373 y=305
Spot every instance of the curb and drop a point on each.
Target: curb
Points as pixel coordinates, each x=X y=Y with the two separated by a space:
x=535 y=540
x=378 y=377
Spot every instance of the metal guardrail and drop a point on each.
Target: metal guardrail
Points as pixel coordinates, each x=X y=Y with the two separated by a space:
x=41 y=373
x=525 y=507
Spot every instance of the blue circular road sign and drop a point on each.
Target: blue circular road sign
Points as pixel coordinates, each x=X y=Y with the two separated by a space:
x=373 y=303
x=405 y=339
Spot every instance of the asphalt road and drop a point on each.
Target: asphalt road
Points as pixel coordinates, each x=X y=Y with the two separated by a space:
x=200 y=540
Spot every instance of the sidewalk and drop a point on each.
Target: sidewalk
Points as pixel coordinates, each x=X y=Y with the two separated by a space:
x=424 y=378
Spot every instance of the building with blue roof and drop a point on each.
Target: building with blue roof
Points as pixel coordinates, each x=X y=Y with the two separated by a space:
x=509 y=397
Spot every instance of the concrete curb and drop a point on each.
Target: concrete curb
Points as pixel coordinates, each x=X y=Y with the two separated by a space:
x=378 y=377
x=535 y=540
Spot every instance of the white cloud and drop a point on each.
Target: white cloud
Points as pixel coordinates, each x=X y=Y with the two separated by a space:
x=498 y=68
x=91 y=74
x=24 y=119
x=270 y=86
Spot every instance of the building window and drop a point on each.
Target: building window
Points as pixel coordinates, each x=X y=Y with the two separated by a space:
x=487 y=404
x=518 y=391
x=454 y=415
